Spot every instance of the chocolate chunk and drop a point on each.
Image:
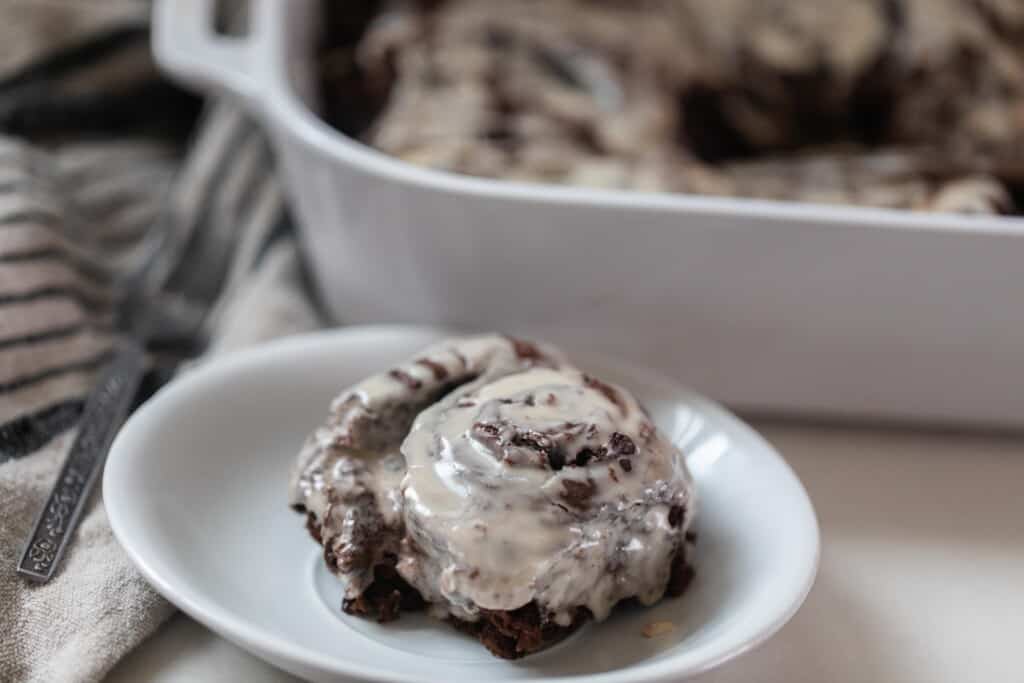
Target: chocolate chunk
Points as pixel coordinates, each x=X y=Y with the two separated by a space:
x=532 y=439
x=605 y=389
x=353 y=606
x=474 y=574
x=488 y=429
x=577 y=493
x=529 y=400
x=406 y=379
x=526 y=350
x=587 y=454
x=440 y=371
x=620 y=444
x=529 y=438
x=556 y=459
x=625 y=464
x=691 y=537
x=675 y=515
x=680 y=577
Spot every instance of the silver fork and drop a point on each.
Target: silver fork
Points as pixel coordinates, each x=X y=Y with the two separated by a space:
x=165 y=302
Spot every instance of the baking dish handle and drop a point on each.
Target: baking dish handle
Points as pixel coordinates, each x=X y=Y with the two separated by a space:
x=187 y=46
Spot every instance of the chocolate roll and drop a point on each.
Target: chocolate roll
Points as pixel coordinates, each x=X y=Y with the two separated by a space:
x=504 y=489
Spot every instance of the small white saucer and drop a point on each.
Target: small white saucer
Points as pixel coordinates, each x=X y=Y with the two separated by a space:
x=195 y=490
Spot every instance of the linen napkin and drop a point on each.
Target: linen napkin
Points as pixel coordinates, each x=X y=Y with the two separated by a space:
x=91 y=164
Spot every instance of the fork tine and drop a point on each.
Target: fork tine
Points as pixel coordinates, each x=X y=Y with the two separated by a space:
x=261 y=221
x=196 y=186
x=204 y=273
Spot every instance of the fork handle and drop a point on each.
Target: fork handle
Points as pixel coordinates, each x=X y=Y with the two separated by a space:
x=105 y=409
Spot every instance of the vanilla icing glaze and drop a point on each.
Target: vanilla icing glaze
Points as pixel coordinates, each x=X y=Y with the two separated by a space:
x=493 y=473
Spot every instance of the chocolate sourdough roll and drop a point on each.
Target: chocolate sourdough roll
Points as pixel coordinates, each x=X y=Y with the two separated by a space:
x=510 y=491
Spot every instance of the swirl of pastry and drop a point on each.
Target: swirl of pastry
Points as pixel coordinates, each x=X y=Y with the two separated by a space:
x=538 y=482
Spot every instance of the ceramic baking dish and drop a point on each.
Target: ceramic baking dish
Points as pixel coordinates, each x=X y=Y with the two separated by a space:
x=769 y=306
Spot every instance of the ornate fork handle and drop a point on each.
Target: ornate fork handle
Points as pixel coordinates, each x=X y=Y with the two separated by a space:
x=105 y=409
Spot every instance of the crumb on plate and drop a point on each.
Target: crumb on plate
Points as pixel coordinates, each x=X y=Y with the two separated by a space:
x=657 y=628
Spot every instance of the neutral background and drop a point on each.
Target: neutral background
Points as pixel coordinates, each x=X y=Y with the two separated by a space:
x=921 y=579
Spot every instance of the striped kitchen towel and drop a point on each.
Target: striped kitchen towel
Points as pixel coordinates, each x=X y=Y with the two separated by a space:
x=79 y=209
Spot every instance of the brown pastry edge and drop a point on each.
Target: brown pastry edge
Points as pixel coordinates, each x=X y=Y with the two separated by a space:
x=509 y=634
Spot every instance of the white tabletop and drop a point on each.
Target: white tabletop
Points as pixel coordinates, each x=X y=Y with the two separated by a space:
x=922 y=571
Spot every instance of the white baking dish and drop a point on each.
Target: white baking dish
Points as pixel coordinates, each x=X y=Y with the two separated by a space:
x=770 y=306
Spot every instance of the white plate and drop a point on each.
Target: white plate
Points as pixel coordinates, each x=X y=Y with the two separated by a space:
x=195 y=489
